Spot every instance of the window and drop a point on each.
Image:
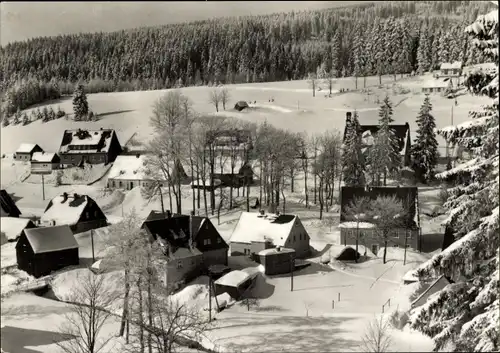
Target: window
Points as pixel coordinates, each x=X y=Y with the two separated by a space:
x=206 y=241
x=179 y=264
x=95 y=213
x=294 y=238
x=408 y=246
x=396 y=246
x=396 y=233
x=247 y=251
x=87 y=215
x=219 y=240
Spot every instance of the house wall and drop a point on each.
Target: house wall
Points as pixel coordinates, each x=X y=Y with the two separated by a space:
x=278 y=263
x=37 y=167
x=23 y=156
x=369 y=238
x=24 y=254
x=215 y=257
x=238 y=248
x=46 y=263
x=76 y=158
x=127 y=184
x=299 y=240
x=439 y=285
x=183 y=270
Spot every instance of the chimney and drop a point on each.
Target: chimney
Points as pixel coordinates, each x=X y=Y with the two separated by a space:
x=75 y=195
x=169 y=214
x=65 y=197
x=278 y=248
x=137 y=155
x=348 y=116
x=101 y=128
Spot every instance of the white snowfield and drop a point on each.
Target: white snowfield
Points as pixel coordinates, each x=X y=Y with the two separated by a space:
x=12 y=227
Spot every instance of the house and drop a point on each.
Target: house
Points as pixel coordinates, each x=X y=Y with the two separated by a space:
x=205 y=184
x=13 y=227
x=434 y=287
x=230 y=142
x=255 y=232
x=44 y=163
x=236 y=173
x=8 y=206
x=401 y=132
x=436 y=85
x=89 y=146
x=451 y=69
x=191 y=244
x=40 y=251
x=408 y=233
x=26 y=150
x=128 y=172
x=235 y=283
x=80 y=212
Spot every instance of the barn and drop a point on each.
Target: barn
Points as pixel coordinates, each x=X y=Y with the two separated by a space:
x=26 y=150
x=40 y=251
x=80 y=212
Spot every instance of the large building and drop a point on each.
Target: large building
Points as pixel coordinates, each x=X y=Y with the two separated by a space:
x=80 y=212
x=407 y=233
x=401 y=131
x=191 y=244
x=255 y=232
x=89 y=146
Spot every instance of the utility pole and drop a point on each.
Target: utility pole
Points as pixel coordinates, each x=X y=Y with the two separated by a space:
x=209 y=298
x=291 y=271
x=43 y=188
x=92 y=241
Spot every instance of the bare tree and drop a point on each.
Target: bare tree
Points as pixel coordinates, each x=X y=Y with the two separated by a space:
x=91 y=301
x=312 y=83
x=304 y=156
x=215 y=98
x=330 y=80
x=224 y=97
x=357 y=211
x=377 y=337
x=223 y=196
x=388 y=213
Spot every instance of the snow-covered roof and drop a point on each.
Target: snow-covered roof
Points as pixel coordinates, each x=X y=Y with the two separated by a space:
x=26 y=148
x=253 y=226
x=275 y=251
x=13 y=226
x=130 y=168
x=92 y=141
x=410 y=276
x=235 y=278
x=440 y=278
x=354 y=225
x=435 y=83
x=451 y=66
x=65 y=212
x=49 y=239
x=485 y=67
x=43 y=157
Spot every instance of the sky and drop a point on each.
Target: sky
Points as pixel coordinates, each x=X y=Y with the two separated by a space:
x=23 y=20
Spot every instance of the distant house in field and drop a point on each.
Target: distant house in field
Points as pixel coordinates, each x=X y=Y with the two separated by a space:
x=44 y=163
x=89 y=146
x=409 y=230
x=40 y=251
x=255 y=232
x=451 y=69
x=8 y=206
x=434 y=287
x=191 y=244
x=129 y=171
x=401 y=131
x=436 y=85
x=13 y=227
x=26 y=150
x=80 y=212
x=235 y=173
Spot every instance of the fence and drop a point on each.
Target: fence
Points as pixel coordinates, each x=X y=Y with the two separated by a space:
x=387 y=303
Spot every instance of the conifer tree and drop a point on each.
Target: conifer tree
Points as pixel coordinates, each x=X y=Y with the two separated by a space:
x=80 y=104
x=25 y=120
x=424 y=49
x=353 y=163
x=424 y=151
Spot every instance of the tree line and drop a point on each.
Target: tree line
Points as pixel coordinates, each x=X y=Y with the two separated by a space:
x=371 y=39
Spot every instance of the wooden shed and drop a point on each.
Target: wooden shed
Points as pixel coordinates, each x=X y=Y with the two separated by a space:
x=40 y=251
x=277 y=260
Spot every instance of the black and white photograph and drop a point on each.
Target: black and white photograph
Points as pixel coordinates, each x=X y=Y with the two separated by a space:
x=249 y=176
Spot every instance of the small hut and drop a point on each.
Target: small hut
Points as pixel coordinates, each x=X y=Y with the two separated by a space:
x=239 y=106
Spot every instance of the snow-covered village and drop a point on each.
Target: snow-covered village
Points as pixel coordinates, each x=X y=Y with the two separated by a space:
x=249 y=177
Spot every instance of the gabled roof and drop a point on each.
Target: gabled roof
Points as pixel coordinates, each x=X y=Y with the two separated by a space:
x=8 y=205
x=27 y=147
x=255 y=227
x=401 y=131
x=176 y=230
x=66 y=211
x=13 y=226
x=454 y=65
x=440 y=278
x=50 y=239
x=44 y=157
x=93 y=140
x=407 y=195
x=127 y=167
